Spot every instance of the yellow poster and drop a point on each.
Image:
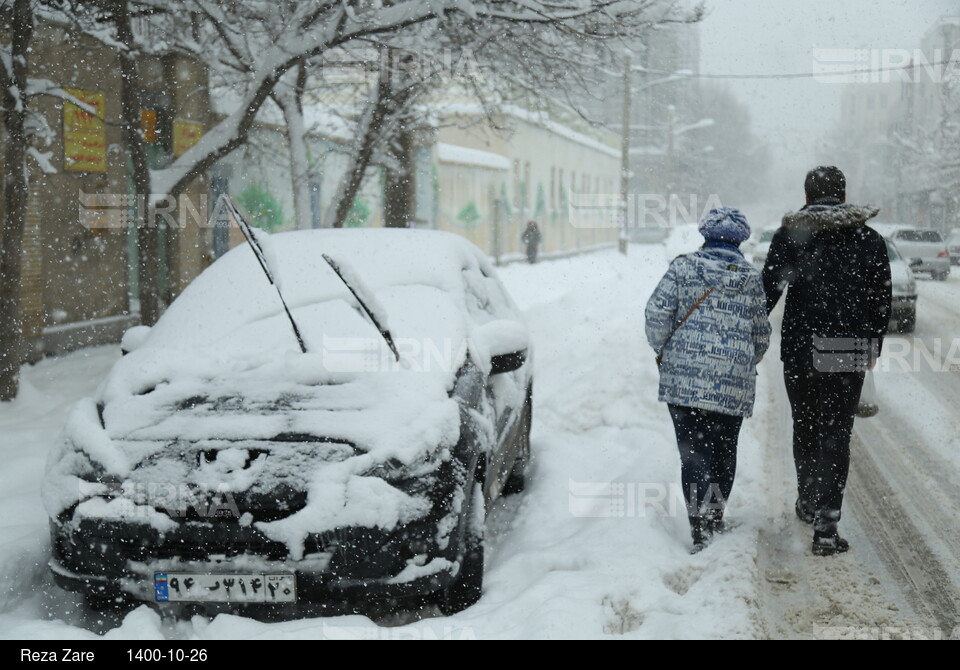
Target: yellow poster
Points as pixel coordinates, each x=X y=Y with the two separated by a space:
x=84 y=133
x=148 y=125
x=185 y=135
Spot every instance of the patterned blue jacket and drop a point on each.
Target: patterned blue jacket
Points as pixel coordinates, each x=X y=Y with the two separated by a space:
x=710 y=362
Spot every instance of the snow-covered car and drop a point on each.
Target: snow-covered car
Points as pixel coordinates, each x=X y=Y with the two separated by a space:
x=924 y=249
x=904 y=304
x=761 y=249
x=953 y=247
x=219 y=464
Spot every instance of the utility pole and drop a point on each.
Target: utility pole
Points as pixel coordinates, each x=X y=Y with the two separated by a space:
x=625 y=156
x=671 y=133
x=497 y=209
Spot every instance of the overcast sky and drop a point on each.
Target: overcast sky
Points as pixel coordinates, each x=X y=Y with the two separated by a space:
x=772 y=36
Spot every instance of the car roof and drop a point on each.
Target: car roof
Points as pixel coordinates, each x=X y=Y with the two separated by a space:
x=893 y=228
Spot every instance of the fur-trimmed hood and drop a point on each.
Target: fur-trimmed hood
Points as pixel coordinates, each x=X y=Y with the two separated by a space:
x=829 y=217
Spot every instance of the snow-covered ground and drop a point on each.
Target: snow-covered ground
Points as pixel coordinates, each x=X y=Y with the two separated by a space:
x=597 y=546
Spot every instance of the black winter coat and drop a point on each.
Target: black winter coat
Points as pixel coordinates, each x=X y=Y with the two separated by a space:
x=838 y=273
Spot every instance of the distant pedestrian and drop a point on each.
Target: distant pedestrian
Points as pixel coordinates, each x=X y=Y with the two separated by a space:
x=707 y=322
x=837 y=313
x=531 y=239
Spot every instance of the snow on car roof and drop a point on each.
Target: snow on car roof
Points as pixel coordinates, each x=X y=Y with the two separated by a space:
x=234 y=295
x=892 y=228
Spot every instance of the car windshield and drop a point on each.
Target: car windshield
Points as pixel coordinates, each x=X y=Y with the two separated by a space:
x=233 y=302
x=893 y=252
x=925 y=236
x=767 y=236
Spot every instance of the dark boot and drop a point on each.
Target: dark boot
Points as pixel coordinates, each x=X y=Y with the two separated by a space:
x=804 y=513
x=829 y=544
x=716 y=525
x=700 y=532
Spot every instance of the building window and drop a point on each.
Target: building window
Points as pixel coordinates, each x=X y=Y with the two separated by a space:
x=516 y=183
x=553 y=188
x=526 y=184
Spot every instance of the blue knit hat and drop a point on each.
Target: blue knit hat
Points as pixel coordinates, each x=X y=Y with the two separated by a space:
x=726 y=224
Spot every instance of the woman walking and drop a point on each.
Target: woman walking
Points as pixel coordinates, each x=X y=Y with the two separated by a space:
x=707 y=322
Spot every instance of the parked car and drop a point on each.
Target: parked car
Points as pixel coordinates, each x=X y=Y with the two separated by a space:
x=219 y=465
x=904 y=314
x=924 y=249
x=761 y=248
x=953 y=246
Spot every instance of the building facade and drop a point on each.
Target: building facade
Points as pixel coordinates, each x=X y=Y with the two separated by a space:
x=79 y=278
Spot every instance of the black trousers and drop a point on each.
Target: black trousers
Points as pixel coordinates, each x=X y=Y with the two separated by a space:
x=824 y=407
x=708 y=458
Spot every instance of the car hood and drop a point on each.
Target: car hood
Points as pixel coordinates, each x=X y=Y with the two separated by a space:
x=156 y=395
x=281 y=442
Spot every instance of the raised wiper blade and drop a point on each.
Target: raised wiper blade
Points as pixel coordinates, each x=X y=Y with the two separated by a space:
x=384 y=332
x=262 y=259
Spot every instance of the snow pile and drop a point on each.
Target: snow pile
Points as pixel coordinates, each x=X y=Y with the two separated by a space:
x=683 y=239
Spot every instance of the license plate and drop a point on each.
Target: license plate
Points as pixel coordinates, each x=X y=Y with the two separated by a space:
x=232 y=588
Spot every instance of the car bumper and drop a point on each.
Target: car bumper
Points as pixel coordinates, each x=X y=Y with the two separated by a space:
x=904 y=305
x=312 y=587
x=932 y=265
x=121 y=560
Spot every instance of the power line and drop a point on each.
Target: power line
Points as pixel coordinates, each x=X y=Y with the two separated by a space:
x=803 y=75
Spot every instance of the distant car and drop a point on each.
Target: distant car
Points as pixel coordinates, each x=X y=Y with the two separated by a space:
x=761 y=248
x=904 y=315
x=953 y=246
x=220 y=466
x=924 y=249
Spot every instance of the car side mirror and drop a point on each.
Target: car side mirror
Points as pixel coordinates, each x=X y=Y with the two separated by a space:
x=915 y=263
x=506 y=342
x=507 y=362
x=133 y=339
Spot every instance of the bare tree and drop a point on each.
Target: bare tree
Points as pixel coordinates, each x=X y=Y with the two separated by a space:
x=530 y=60
x=18 y=17
x=131 y=102
x=935 y=150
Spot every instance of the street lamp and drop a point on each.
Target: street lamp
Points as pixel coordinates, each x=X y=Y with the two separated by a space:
x=679 y=75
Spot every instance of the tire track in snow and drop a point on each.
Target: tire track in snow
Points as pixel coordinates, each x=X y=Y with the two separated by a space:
x=899 y=542
x=917 y=478
x=803 y=596
x=900 y=528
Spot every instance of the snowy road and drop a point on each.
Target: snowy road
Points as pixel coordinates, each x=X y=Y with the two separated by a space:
x=902 y=577
x=908 y=459
x=595 y=548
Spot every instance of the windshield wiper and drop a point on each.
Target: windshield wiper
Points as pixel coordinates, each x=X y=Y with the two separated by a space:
x=262 y=259
x=384 y=332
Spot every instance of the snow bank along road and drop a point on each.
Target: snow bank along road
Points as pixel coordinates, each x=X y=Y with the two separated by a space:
x=597 y=546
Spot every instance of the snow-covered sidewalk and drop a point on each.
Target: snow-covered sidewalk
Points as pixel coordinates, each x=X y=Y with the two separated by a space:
x=597 y=546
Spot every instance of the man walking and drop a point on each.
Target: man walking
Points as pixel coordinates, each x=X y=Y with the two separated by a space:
x=837 y=313
x=531 y=239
